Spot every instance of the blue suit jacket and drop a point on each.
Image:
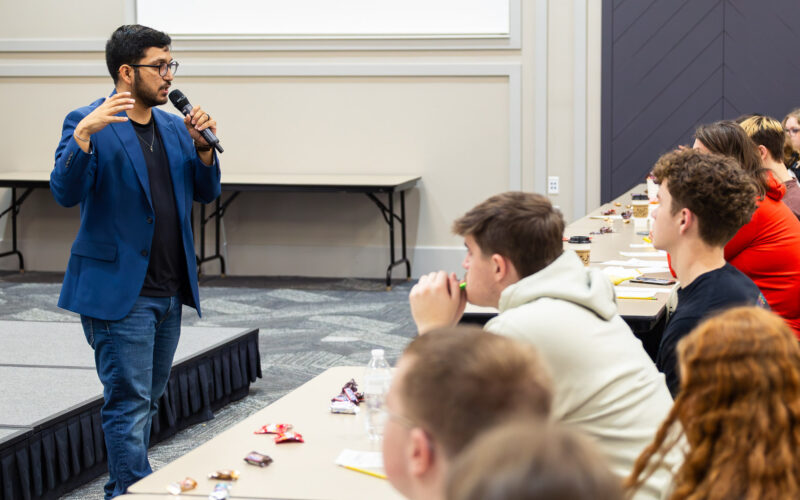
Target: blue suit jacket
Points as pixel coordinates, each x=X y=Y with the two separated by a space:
x=110 y=255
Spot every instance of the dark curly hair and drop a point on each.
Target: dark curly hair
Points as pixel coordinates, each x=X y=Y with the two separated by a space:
x=713 y=187
x=128 y=44
x=729 y=139
x=738 y=408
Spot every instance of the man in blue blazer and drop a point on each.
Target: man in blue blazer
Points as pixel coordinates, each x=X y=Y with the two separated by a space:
x=134 y=170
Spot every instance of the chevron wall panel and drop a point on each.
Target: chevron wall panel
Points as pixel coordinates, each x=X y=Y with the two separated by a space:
x=670 y=65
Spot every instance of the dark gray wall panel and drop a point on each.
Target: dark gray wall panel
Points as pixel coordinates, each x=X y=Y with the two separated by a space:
x=670 y=65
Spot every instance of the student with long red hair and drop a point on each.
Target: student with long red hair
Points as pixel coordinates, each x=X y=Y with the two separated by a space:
x=737 y=415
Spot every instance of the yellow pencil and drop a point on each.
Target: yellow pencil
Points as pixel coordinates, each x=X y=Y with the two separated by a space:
x=638 y=298
x=367 y=472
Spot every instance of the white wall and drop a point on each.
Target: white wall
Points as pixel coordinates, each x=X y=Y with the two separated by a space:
x=470 y=122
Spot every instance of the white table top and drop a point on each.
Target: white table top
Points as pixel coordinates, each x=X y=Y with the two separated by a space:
x=300 y=470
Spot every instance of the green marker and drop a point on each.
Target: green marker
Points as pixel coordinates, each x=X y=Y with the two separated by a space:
x=463 y=285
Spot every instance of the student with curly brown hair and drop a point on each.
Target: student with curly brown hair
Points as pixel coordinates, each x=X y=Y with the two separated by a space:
x=739 y=410
x=766 y=248
x=704 y=200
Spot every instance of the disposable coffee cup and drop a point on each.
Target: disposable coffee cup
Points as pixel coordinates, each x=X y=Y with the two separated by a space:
x=582 y=246
x=641 y=206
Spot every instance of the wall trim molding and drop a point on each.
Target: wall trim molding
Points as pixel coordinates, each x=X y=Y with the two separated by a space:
x=540 y=97
x=580 y=109
x=339 y=261
x=183 y=43
x=511 y=71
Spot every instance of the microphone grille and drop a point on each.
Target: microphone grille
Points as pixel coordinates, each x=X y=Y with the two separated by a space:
x=178 y=99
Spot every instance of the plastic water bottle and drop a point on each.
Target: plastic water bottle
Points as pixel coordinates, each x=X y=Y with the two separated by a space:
x=377 y=378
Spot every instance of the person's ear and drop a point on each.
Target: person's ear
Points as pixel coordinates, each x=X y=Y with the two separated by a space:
x=763 y=152
x=503 y=269
x=686 y=220
x=126 y=73
x=420 y=450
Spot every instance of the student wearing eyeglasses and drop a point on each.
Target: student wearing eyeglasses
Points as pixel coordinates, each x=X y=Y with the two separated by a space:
x=135 y=171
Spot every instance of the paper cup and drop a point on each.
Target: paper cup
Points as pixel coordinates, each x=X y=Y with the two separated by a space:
x=583 y=250
x=641 y=208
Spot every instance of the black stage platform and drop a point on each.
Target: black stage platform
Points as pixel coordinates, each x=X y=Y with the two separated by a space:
x=51 y=439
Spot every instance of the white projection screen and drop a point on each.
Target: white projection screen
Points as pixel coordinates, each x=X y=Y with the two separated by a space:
x=326 y=18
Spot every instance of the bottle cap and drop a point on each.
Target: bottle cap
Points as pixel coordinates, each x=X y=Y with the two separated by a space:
x=377 y=353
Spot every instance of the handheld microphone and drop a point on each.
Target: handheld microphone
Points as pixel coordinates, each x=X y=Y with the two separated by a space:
x=181 y=102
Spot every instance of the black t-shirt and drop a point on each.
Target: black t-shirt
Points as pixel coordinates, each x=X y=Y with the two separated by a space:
x=708 y=294
x=166 y=271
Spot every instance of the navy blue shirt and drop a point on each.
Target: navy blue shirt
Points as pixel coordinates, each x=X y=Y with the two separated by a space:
x=708 y=294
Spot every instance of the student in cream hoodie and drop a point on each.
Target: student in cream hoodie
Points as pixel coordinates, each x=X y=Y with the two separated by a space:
x=604 y=383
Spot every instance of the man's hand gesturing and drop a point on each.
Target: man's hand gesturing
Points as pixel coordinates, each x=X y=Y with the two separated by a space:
x=101 y=116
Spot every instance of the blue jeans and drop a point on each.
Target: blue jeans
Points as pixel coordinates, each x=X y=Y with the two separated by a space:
x=133 y=357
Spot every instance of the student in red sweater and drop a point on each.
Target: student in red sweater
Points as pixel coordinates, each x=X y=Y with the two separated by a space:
x=766 y=249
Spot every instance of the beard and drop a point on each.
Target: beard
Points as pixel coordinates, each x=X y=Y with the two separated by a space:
x=148 y=97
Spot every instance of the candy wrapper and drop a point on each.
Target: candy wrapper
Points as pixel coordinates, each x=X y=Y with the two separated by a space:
x=289 y=437
x=274 y=429
x=259 y=459
x=179 y=487
x=350 y=393
x=345 y=407
x=221 y=492
x=225 y=475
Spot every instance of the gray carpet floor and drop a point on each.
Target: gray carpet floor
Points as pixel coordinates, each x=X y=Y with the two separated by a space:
x=306 y=326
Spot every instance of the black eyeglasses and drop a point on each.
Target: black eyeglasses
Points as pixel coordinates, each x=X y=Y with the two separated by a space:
x=162 y=68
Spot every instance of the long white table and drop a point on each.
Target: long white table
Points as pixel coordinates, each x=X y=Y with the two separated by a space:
x=300 y=470
x=370 y=185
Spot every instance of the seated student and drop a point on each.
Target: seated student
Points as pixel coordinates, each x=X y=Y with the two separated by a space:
x=449 y=386
x=604 y=383
x=767 y=133
x=703 y=201
x=738 y=408
x=791 y=148
x=766 y=248
x=520 y=461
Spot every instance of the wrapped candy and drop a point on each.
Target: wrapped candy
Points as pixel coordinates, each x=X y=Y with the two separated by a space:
x=289 y=437
x=225 y=475
x=181 y=486
x=274 y=429
x=259 y=459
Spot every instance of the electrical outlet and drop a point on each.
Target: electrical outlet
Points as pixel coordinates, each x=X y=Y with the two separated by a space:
x=552 y=184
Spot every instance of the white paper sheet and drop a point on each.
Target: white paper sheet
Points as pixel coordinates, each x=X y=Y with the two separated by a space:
x=637 y=263
x=628 y=290
x=635 y=294
x=360 y=459
x=661 y=254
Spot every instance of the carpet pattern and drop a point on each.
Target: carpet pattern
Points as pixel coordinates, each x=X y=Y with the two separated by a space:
x=306 y=326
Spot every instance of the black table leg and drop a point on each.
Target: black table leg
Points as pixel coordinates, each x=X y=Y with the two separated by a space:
x=14 y=209
x=217 y=215
x=389 y=216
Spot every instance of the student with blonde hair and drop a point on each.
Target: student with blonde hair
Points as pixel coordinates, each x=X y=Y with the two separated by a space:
x=768 y=135
x=738 y=409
